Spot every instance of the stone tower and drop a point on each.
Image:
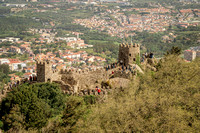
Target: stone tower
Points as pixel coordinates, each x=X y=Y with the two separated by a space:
x=128 y=53
x=44 y=71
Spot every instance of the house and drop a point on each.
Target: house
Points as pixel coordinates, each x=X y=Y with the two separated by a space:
x=25 y=48
x=4 y=61
x=58 y=60
x=15 y=5
x=15 y=49
x=12 y=39
x=192 y=53
x=75 y=56
x=27 y=75
x=90 y=58
x=100 y=59
x=28 y=69
x=61 y=66
x=14 y=77
x=69 y=61
x=45 y=35
x=68 y=51
x=14 y=64
x=66 y=56
x=3 y=40
x=189 y=55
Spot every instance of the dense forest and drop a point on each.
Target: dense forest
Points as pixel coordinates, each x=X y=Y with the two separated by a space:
x=163 y=101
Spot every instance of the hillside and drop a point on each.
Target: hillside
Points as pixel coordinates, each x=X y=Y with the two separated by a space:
x=165 y=101
x=162 y=101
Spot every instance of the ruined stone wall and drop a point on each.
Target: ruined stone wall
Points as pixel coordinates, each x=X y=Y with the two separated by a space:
x=81 y=82
x=84 y=79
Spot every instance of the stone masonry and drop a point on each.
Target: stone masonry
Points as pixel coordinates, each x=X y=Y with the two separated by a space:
x=128 y=53
x=46 y=73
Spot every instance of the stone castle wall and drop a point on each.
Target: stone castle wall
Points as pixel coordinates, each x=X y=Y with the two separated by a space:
x=76 y=81
x=84 y=79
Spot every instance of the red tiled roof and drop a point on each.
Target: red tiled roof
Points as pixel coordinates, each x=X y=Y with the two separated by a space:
x=14 y=61
x=28 y=73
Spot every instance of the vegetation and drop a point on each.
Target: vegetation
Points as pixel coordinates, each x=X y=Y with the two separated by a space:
x=165 y=101
x=153 y=42
x=21 y=57
x=4 y=78
x=30 y=106
x=174 y=51
x=35 y=106
x=14 y=26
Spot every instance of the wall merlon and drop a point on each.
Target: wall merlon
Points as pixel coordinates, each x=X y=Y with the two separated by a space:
x=40 y=62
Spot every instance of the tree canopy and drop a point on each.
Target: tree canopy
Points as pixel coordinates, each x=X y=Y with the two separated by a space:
x=30 y=106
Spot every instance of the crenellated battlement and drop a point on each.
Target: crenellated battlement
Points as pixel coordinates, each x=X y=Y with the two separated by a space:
x=42 y=62
x=55 y=71
x=79 y=71
x=126 y=45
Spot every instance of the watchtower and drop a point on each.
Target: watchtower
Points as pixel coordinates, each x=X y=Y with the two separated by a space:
x=44 y=71
x=128 y=53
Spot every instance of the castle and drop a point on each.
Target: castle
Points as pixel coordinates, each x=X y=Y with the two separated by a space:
x=128 y=53
x=84 y=82
x=84 y=79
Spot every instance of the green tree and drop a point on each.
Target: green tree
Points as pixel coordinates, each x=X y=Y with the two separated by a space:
x=4 y=68
x=138 y=60
x=76 y=109
x=4 y=78
x=37 y=103
x=1 y=124
x=174 y=51
x=19 y=66
x=14 y=120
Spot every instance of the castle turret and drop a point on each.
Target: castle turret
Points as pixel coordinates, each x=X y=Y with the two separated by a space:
x=44 y=71
x=128 y=53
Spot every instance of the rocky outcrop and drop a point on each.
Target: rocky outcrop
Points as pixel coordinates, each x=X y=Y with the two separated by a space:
x=119 y=82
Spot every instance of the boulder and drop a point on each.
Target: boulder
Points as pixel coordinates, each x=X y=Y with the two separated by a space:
x=119 y=82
